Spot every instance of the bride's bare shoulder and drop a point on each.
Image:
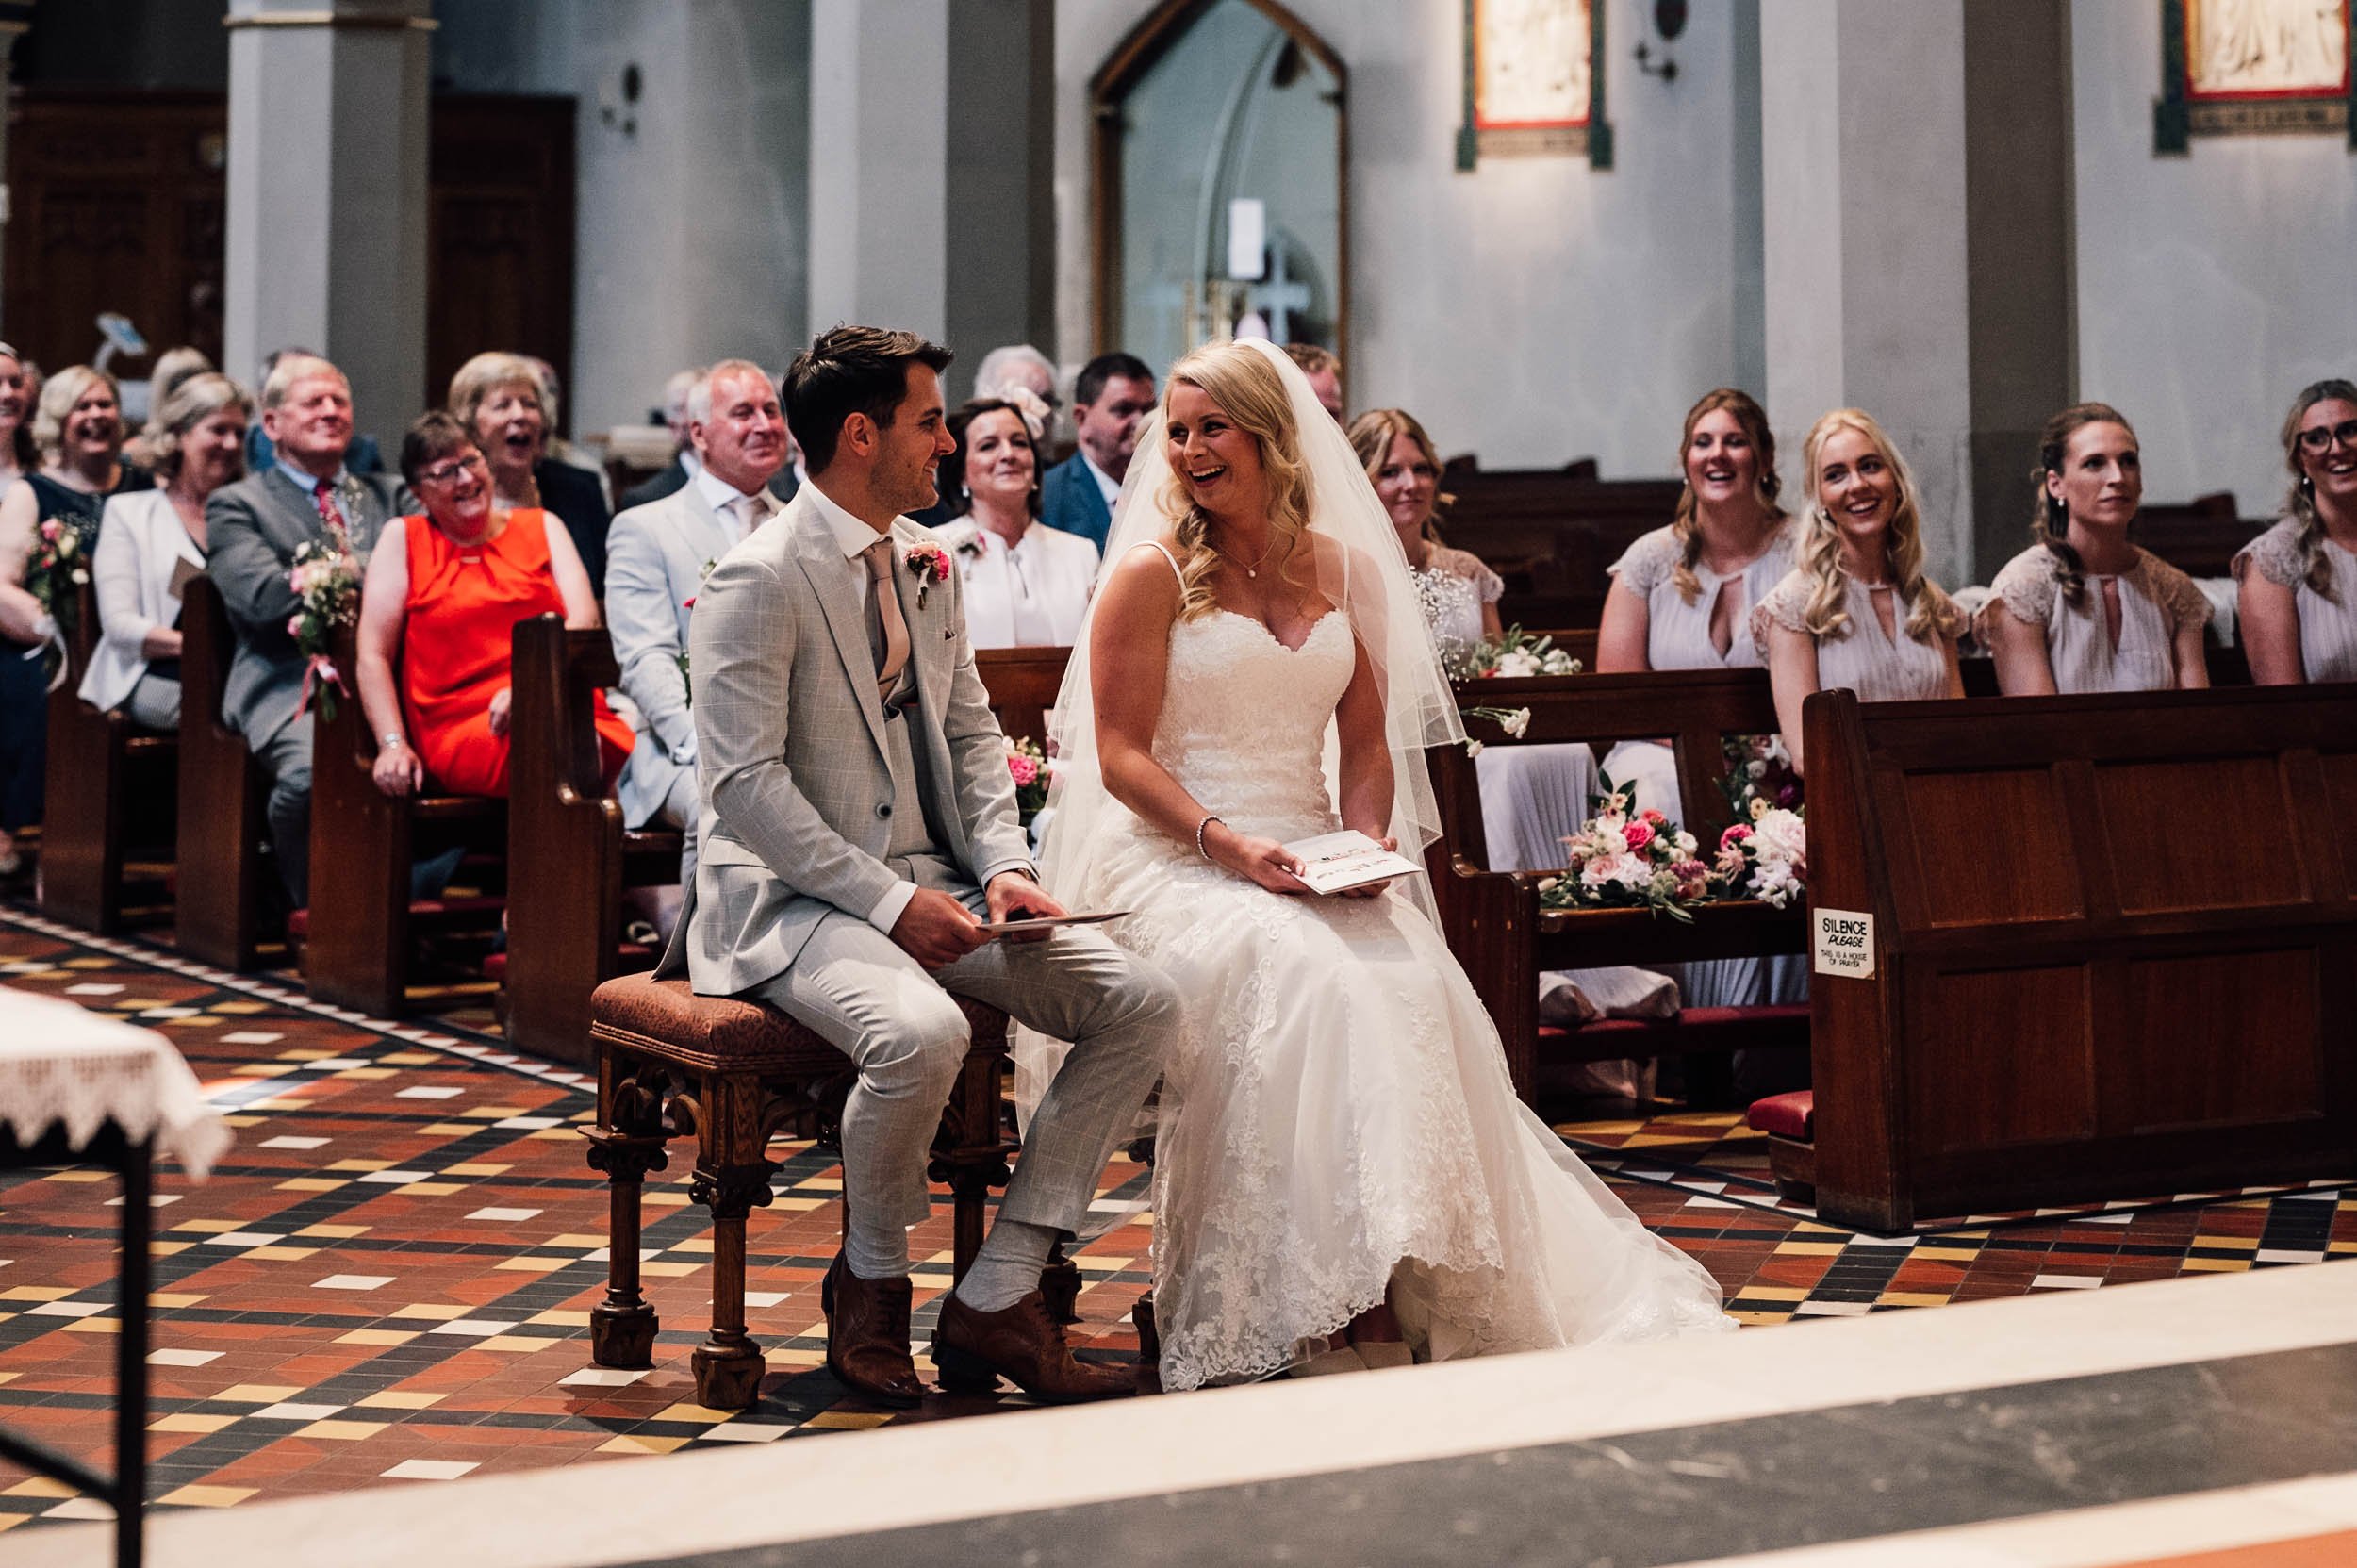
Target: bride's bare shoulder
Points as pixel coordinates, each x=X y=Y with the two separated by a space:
x=1145 y=576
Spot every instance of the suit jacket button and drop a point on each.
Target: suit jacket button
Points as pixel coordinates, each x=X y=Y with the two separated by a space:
x=884 y=811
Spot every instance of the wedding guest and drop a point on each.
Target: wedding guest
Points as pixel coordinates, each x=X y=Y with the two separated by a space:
x=1019 y=368
x=1027 y=584
x=172 y=367
x=360 y=455
x=152 y=543
x=1459 y=595
x=498 y=398
x=253 y=530
x=17 y=455
x=569 y=452
x=1324 y=374
x=442 y=597
x=2083 y=609
x=656 y=559
x=77 y=430
x=1114 y=392
x=2297 y=594
x=1857 y=611
x=683 y=462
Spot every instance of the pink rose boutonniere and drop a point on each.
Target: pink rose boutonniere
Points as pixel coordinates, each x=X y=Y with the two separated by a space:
x=932 y=565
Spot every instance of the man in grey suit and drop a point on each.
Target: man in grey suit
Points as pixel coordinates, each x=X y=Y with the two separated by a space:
x=655 y=560
x=252 y=529
x=858 y=823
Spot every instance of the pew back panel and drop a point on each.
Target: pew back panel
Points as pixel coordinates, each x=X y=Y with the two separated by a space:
x=1550 y=534
x=223 y=795
x=1023 y=684
x=2115 y=946
x=108 y=788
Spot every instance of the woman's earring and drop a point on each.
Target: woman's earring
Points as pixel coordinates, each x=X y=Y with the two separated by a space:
x=2308 y=488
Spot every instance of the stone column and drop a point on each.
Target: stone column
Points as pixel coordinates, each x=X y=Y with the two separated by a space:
x=328 y=195
x=932 y=203
x=1914 y=178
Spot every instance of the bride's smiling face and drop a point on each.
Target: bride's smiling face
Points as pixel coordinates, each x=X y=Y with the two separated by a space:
x=1216 y=460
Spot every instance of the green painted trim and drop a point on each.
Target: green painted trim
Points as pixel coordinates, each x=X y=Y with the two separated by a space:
x=1599 y=128
x=1468 y=135
x=2173 y=124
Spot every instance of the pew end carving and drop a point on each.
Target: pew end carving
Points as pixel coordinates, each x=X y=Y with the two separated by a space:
x=217 y=906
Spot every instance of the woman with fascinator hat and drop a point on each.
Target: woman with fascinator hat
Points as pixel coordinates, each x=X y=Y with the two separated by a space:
x=1343 y=1175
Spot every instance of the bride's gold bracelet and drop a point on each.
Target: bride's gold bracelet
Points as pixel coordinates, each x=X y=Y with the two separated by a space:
x=1199 y=846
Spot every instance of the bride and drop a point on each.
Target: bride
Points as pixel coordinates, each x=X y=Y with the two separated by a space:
x=1345 y=1177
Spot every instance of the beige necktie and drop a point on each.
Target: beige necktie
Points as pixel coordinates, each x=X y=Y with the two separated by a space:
x=750 y=513
x=887 y=632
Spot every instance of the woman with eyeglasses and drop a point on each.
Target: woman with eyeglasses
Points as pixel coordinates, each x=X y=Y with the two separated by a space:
x=442 y=597
x=2298 y=596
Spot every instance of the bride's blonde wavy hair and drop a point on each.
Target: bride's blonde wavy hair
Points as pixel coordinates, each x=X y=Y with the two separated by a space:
x=1248 y=390
x=1934 y=615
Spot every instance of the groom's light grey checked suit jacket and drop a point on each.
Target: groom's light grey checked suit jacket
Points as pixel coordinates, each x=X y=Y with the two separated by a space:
x=790 y=734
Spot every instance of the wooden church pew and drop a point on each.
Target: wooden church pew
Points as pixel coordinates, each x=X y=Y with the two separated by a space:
x=1551 y=533
x=109 y=789
x=2114 y=949
x=359 y=932
x=1492 y=920
x=1023 y=682
x=569 y=856
x=217 y=903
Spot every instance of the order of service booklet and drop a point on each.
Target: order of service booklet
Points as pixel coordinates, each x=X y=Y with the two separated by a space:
x=1334 y=862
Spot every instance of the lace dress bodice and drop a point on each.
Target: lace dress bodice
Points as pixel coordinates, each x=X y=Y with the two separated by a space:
x=1245 y=719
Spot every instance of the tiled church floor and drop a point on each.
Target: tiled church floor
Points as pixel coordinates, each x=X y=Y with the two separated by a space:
x=389 y=1275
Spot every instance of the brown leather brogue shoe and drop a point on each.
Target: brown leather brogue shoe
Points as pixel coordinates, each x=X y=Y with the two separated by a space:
x=868 y=1335
x=1024 y=1344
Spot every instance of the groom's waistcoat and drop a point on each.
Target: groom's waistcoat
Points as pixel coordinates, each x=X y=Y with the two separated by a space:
x=803 y=803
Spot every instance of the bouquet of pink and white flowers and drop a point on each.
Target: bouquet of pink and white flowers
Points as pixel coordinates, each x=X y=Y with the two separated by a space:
x=1623 y=858
x=1766 y=858
x=54 y=574
x=1033 y=773
x=1516 y=653
x=326 y=582
x=1758 y=769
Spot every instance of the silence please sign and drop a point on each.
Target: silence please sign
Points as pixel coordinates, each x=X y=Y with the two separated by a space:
x=1844 y=943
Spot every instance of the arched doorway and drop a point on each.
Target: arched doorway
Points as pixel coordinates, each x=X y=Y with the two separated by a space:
x=1221 y=197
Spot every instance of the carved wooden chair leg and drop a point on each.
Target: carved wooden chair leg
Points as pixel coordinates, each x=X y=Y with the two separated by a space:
x=625 y=1144
x=732 y=1180
x=1059 y=1281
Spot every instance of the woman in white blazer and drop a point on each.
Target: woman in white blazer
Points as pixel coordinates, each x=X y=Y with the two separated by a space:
x=1027 y=584
x=152 y=543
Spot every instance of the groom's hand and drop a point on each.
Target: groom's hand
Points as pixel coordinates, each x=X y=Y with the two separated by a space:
x=936 y=930
x=1013 y=895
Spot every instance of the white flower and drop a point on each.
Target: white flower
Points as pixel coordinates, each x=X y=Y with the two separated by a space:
x=1516 y=723
x=1516 y=663
x=1685 y=842
x=1756 y=768
x=1548 y=884
x=1472 y=748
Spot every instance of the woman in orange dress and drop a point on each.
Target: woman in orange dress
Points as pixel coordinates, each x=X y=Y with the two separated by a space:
x=440 y=602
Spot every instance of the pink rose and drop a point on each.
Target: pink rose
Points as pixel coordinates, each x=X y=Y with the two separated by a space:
x=1733 y=837
x=294 y=624
x=1652 y=817
x=49 y=530
x=1025 y=771
x=1637 y=835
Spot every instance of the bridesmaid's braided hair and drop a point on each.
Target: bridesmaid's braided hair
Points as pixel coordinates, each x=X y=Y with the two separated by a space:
x=2300 y=504
x=2050 y=523
x=1248 y=390
x=1752 y=420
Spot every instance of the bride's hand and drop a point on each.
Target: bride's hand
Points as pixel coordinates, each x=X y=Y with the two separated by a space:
x=1263 y=860
x=1368 y=890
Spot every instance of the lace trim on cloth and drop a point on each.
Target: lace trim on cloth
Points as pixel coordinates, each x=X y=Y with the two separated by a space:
x=2181 y=603
x=1465 y=564
x=1785 y=605
x=2026 y=587
x=2276 y=553
x=65 y=1067
x=1647 y=563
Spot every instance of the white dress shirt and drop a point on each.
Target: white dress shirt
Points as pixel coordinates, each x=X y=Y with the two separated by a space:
x=1031 y=594
x=738 y=512
x=1106 y=483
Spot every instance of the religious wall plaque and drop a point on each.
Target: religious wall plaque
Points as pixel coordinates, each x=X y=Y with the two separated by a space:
x=2243 y=66
x=1534 y=81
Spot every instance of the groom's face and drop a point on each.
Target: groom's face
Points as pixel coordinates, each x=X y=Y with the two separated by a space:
x=915 y=440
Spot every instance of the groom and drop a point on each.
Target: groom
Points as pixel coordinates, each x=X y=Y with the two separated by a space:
x=858 y=822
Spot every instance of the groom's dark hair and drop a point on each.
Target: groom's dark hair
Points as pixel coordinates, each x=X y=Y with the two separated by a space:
x=846 y=371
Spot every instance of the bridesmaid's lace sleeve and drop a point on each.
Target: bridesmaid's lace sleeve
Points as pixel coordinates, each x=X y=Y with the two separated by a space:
x=2025 y=588
x=1785 y=605
x=1647 y=563
x=2181 y=602
x=1488 y=587
x=2276 y=555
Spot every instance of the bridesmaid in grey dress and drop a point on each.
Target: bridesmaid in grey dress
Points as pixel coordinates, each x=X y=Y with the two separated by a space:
x=1857 y=612
x=1681 y=599
x=2083 y=609
x=2297 y=599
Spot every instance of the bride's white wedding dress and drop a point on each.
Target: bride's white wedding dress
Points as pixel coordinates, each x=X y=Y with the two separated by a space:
x=1338 y=1114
